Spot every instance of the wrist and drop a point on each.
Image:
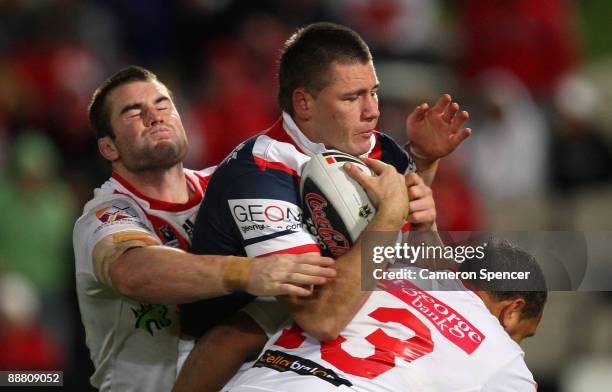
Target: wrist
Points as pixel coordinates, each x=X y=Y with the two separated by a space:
x=391 y=218
x=237 y=273
x=420 y=158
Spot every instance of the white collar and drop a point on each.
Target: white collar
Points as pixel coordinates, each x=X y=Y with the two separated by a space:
x=309 y=147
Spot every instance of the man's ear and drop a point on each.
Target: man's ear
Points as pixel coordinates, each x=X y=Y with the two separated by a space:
x=511 y=312
x=302 y=102
x=108 y=149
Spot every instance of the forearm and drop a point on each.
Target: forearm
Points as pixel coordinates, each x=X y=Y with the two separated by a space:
x=333 y=305
x=218 y=355
x=160 y=274
x=329 y=309
x=426 y=168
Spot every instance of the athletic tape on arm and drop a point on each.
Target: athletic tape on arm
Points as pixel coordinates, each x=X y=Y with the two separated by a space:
x=111 y=247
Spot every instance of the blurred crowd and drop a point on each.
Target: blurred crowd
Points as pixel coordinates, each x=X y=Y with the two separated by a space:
x=540 y=157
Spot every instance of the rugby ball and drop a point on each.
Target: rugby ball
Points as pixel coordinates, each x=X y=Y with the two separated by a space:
x=335 y=207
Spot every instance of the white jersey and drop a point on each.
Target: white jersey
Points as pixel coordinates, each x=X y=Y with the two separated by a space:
x=403 y=339
x=133 y=346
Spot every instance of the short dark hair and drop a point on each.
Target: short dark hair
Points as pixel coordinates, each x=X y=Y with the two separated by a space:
x=98 y=112
x=503 y=256
x=308 y=55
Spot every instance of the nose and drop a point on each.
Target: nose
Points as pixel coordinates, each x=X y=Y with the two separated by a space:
x=153 y=116
x=370 y=110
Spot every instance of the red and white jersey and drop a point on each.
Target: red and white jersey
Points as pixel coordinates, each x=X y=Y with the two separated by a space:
x=134 y=346
x=253 y=207
x=403 y=339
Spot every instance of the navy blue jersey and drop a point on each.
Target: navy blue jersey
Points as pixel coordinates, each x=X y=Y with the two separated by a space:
x=252 y=207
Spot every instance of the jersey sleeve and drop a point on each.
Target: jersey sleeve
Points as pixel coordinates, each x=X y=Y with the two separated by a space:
x=268 y=313
x=513 y=377
x=266 y=211
x=251 y=208
x=256 y=213
x=111 y=216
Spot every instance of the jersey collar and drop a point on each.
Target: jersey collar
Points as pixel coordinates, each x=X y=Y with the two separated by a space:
x=303 y=143
x=194 y=200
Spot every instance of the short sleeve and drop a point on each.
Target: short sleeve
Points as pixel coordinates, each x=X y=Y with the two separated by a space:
x=118 y=214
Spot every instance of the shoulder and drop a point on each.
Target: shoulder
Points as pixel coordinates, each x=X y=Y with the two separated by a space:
x=107 y=213
x=200 y=178
x=261 y=166
x=512 y=376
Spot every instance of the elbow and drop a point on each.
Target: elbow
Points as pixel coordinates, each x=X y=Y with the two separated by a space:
x=325 y=330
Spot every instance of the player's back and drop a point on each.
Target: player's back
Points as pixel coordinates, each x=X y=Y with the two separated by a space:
x=403 y=339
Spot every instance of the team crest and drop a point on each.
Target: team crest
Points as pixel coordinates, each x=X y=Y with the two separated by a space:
x=149 y=316
x=114 y=214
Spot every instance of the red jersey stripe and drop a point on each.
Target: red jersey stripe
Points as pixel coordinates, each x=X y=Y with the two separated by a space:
x=296 y=250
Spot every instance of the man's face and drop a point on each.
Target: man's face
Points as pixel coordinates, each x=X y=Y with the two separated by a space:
x=523 y=328
x=149 y=134
x=345 y=112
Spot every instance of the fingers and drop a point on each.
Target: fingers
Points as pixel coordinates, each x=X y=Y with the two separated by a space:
x=377 y=166
x=314 y=259
x=285 y=274
x=422 y=211
x=418 y=114
x=358 y=175
x=416 y=192
x=462 y=135
x=422 y=217
x=304 y=273
x=449 y=114
x=289 y=289
x=442 y=103
x=458 y=121
x=314 y=270
x=422 y=204
x=412 y=179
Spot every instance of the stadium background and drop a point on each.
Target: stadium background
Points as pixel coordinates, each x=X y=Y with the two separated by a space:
x=534 y=74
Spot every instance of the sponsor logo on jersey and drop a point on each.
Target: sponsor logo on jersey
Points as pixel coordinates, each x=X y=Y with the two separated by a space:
x=188 y=226
x=450 y=323
x=169 y=238
x=115 y=213
x=283 y=362
x=260 y=217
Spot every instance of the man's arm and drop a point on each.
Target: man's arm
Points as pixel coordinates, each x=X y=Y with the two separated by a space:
x=160 y=274
x=218 y=355
x=333 y=305
x=433 y=133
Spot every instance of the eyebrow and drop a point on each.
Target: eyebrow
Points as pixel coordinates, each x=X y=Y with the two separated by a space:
x=132 y=106
x=361 y=91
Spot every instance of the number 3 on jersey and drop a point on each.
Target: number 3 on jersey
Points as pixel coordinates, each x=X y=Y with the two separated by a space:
x=386 y=348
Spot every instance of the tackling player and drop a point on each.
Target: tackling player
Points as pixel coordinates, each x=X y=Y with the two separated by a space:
x=407 y=339
x=131 y=243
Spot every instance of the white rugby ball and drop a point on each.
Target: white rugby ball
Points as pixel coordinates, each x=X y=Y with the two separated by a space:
x=335 y=207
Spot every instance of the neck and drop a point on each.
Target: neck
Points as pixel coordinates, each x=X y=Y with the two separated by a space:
x=169 y=185
x=305 y=127
x=495 y=307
